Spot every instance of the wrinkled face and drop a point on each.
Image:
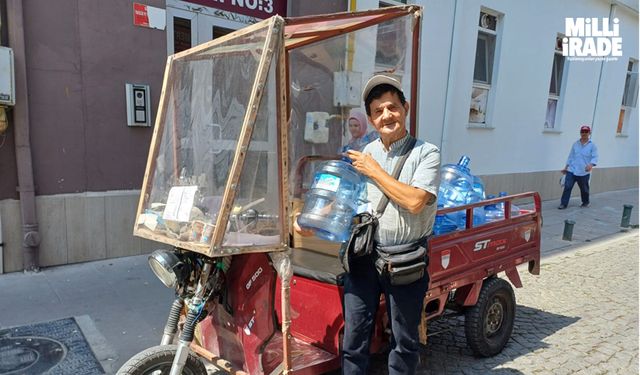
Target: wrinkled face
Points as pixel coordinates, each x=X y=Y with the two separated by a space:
x=388 y=116
x=354 y=128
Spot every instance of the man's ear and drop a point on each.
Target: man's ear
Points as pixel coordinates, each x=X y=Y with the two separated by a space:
x=406 y=107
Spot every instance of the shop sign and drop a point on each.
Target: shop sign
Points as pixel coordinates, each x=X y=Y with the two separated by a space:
x=151 y=17
x=261 y=9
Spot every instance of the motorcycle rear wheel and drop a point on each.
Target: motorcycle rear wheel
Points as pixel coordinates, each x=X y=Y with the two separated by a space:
x=157 y=360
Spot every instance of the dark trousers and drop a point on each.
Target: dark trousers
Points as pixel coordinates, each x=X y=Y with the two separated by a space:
x=362 y=289
x=583 y=183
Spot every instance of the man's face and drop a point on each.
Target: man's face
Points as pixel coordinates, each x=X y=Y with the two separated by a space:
x=388 y=116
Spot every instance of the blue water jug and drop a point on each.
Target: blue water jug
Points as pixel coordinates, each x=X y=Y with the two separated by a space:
x=515 y=210
x=332 y=201
x=443 y=224
x=456 y=183
x=458 y=187
x=492 y=212
x=478 y=187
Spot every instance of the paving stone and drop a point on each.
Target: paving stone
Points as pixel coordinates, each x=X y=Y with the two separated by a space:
x=579 y=316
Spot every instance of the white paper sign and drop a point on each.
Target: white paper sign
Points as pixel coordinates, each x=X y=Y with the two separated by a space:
x=179 y=203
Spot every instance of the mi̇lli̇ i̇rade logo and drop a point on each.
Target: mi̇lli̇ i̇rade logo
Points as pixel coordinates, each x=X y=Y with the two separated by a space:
x=591 y=39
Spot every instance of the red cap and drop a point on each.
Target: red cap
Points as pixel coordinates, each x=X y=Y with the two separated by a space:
x=585 y=127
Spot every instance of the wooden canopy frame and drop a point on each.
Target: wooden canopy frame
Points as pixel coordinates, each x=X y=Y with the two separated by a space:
x=283 y=36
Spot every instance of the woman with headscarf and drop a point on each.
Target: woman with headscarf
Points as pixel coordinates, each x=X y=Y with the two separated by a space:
x=358 y=129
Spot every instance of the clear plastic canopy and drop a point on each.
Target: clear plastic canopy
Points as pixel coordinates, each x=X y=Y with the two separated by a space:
x=243 y=120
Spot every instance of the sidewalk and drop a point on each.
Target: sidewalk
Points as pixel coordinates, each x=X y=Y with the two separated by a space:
x=123 y=307
x=602 y=218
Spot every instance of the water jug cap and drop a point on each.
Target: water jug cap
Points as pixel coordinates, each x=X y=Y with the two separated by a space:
x=464 y=161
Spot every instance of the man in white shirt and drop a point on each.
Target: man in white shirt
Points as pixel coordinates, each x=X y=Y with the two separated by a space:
x=582 y=158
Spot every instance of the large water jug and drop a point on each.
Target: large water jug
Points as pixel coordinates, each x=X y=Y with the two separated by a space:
x=332 y=201
x=492 y=212
x=478 y=187
x=443 y=224
x=458 y=187
x=515 y=210
x=456 y=183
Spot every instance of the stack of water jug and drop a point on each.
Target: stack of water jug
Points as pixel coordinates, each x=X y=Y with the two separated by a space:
x=338 y=189
x=459 y=187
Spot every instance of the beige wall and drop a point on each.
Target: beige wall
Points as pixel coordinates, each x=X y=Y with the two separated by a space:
x=547 y=183
x=91 y=226
x=75 y=228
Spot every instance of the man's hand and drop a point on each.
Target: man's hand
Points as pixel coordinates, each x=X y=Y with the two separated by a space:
x=588 y=168
x=299 y=230
x=563 y=171
x=364 y=163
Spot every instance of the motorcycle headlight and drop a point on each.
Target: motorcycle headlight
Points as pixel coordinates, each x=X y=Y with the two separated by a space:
x=167 y=267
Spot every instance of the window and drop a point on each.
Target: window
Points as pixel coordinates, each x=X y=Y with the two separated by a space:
x=391 y=3
x=629 y=97
x=391 y=48
x=217 y=32
x=483 y=68
x=181 y=34
x=557 y=71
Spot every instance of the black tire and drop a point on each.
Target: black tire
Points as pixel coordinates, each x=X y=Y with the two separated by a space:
x=489 y=323
x=159 y=358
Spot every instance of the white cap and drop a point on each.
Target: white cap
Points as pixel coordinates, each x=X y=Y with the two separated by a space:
x=380 y=79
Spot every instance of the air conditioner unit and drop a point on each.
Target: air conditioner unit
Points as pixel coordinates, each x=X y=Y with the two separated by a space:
x=7 y=78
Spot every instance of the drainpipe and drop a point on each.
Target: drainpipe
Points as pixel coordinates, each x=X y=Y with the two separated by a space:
x=448 y=96
x=612 y=13
x=30 y=234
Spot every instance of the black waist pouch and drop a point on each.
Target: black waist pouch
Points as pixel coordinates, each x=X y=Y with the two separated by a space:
x=403 y=264
x=361 y=244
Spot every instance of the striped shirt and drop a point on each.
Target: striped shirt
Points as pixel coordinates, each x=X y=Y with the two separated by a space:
x=421 y=170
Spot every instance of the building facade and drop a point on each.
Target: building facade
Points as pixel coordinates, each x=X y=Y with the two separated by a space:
x=494 y=85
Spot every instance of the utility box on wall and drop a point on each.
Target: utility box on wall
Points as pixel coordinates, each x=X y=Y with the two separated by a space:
x=7 y=80
x=138 y=105
x=347 y=89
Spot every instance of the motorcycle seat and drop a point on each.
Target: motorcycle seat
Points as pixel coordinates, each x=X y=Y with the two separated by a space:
x=317 y=266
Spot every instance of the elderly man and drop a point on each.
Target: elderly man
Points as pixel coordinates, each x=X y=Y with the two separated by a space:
x=408 y=219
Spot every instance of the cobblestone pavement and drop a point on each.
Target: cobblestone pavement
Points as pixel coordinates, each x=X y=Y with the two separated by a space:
x=580 y=316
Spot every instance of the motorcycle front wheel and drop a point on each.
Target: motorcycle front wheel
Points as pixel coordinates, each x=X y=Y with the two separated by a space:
x=157 y=360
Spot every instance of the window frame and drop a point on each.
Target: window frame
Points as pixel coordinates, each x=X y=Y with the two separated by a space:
x=626 y=109
x=559 y=78
x=490 y=59
x=391 y=3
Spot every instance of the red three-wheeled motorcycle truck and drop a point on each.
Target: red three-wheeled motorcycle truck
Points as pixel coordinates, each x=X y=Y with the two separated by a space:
x=243 y=123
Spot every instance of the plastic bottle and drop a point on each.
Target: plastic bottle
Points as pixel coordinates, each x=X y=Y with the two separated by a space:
x=457 y=188
x=515 y=210
x=332 y=201
x=492 y=212
x=478 y=212
x=456 y=183
x=478 y=187
x=443 y=224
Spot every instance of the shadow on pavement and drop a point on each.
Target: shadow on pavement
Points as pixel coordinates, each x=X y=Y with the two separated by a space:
x=447 y=352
